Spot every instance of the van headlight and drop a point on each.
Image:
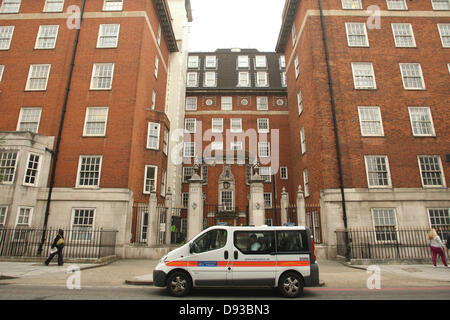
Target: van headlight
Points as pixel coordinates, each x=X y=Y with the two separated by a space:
x=163 y=259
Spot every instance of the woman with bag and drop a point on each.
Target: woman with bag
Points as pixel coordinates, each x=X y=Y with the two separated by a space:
x=57 y=248
x=437 y=247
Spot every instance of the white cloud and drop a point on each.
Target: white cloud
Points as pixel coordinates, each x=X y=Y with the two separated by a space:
x=235 y=24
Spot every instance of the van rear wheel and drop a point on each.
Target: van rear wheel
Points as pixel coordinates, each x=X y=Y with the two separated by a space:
x=291 y=285
x=179 y=284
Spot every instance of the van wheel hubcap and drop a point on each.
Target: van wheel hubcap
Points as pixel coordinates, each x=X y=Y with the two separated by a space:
x=178 y=284
x=291 y=285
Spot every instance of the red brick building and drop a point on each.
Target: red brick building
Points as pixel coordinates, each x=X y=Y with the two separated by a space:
x=368 y=91
x=236 y=103
x=108 y=133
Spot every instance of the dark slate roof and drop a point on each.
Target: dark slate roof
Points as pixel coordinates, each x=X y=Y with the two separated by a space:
x=227 y=71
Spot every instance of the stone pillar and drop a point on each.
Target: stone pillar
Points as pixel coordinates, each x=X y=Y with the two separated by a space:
x=168 y=216
x=301 y=212
x=195 y=207
x=256 y=205
x=284 y=206
x=153 y=219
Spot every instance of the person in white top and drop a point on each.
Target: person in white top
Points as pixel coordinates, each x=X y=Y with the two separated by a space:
x=437 y=247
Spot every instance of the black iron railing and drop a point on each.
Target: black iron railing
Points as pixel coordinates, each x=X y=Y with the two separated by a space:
x=388 y=243
x=79 y=243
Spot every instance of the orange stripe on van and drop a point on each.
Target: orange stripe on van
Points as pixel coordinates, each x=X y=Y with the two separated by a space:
x=242 y=263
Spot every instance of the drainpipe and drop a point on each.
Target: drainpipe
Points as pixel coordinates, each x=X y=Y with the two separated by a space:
x=336 y=133
x=61 y=124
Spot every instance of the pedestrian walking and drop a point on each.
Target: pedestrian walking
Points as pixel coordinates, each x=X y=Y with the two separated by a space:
x=448 y=241
x=437 y=247
x=58 y=244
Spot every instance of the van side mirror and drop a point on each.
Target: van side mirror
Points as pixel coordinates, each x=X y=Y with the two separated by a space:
x=191 y=247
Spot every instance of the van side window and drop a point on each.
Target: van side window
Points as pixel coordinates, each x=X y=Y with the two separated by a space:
x=291 y=241
x=255 y=242
x=212 y=240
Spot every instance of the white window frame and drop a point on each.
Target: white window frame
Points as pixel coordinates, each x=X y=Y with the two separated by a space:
x=429 y=120
x=23 y=120
x=191 y=103
x=260 y=61
x=293 y=35
x=369 y=172
x=264 y=149
x=153 y=141
x=11 y=156
x=392 y=5
x=166 y=141
x=303 y=140
x=96 y=76
x=441 y=171
x=284 y=173
x=147 y=189
x=282 y=62
x=158 y=39
x=185 y=199
x=193 y=62
x=356 y=75
x=210 y=79
x=153 y=99
x=33 y=171
x=217 y=125
x=2 y=69
x=349 y=29
x=306 y=182
x=378 y=120
x=260 y=122
x=108 y=31
x=10 y=6
x=156 y=66
x=243 y=79
x=262 y=103
x=351 y=4
x=267 y=200
x=3 y=215
x=82 y=232
x=297 y=67
x=6 y=35
x=89 y=119
x=210 y=62
x=445 y=36
x=188 y=122
x=267 y=176
x=189 y=149
x=440 y=5
x=78 y=185
x=441 y=218
x=192 y=79
x=54 y=6
x=163 y=182
x=29 y=216
x=43 y=78
x=226 y=103
x=262 y=79
x=113 y=5
x=187 y=174
x=300 y=102
x=419 y=70
x=385 y=226
x=395 y=32
x=44 y=34
x=217 y=146
x=243 y=62
x=283 y=79
x=233 y=127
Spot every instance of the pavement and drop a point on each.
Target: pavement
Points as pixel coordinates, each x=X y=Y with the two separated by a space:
x=126 y=272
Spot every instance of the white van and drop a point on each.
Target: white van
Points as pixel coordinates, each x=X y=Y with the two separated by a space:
x=224 y=256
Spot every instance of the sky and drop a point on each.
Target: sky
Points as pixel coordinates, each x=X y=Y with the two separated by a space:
x=246 y=24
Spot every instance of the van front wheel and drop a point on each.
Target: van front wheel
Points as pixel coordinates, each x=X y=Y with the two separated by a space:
x=179 y=284
x=290 y=285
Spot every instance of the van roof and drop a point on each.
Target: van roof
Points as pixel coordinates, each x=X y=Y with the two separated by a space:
x=262 y=227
